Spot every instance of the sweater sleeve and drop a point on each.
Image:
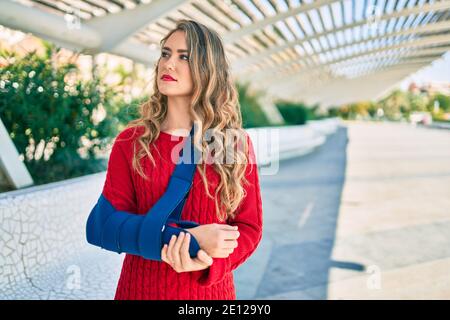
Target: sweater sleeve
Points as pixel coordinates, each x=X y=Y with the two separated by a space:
x=118 y=187
x=249 y=220
x=112 y=223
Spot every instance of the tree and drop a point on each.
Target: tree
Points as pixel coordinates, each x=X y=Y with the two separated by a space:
x=54 y=119
x=252 y=113
x=443 y=100
x=395 y=104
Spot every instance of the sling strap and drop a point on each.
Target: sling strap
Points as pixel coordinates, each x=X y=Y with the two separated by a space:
x=144 y=235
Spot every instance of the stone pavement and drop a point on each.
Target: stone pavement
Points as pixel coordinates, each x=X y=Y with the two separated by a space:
x=365 y=216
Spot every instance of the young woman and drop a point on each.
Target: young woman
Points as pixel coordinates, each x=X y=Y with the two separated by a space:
x=192 y=85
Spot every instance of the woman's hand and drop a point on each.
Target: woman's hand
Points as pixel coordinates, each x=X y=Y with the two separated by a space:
x=176 y=254
x=218 y=240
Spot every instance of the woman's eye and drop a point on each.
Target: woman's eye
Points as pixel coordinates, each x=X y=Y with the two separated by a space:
x=164 y=54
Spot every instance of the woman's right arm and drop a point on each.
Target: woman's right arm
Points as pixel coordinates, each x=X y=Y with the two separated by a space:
x=113 y=224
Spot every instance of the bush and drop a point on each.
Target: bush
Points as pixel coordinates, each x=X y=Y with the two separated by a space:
x=443 y=102
x=252 y=113
x=61 y=124
x=333 y=112
x=53 y=118
x=294 y=113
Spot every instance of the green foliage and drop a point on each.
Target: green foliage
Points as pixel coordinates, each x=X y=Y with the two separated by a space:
x=61 y=124
x=333 y=112
x=50 y=115
x=398 y=105
x=124 y=111
x=294 y=113
x=252 y=114
x=317 y=113
x=439 y=106
x=417 y=102
x=358 y=110
x=395 y=104
x=443 y=101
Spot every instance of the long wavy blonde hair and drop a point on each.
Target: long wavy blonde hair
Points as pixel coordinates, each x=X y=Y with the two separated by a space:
x=215 y=106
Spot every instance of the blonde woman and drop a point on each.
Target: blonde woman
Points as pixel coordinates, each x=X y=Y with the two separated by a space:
x=192 y=86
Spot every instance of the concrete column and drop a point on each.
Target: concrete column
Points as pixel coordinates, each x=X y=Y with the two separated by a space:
x=14 y=174
x=270 y=110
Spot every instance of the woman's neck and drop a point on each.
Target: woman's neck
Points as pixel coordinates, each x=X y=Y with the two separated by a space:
x=178 y=117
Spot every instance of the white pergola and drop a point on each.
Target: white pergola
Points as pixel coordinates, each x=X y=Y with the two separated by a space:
x=325 y=51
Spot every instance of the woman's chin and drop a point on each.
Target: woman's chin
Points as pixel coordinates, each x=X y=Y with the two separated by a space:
x=172 y=93
x=167 y=92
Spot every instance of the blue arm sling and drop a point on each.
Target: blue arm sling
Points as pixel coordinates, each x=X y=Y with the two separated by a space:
x=145 y=235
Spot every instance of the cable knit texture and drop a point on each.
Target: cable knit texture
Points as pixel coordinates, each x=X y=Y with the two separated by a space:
x=141 y=278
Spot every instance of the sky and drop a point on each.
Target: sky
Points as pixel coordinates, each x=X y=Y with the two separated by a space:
x=438 y=71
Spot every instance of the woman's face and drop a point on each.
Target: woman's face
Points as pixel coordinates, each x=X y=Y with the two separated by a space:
x=174 y=62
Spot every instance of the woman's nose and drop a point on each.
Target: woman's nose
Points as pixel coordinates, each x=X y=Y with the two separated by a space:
x=170 y=64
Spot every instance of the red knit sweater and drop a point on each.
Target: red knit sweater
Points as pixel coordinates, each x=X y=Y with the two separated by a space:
x=127 y=191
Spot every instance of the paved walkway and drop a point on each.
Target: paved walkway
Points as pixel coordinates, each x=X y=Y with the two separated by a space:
x=366 y=216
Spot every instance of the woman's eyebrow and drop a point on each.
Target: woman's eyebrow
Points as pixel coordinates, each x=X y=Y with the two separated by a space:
x=179 y=50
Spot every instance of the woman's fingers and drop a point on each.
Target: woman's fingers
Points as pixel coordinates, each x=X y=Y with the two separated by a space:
x=176 y=250
x=223 y=253
x=164 y=254
x=230 y=244
x=204 y=258
x=228 y=227
x=170 y=248
x=230 y=235
x=184 y=252
x=176 y=253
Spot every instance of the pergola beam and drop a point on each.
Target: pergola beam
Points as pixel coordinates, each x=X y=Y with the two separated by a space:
x=415 y=35
x=242 y=63
x=332 y=93
x=426 y=41
x=398 y=55
x=260 y=24
x=439 y=26
x=48 y=26
x=115 y=29
x=291 y=87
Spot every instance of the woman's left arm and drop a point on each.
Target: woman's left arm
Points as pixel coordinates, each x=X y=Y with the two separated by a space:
x=248 y=219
